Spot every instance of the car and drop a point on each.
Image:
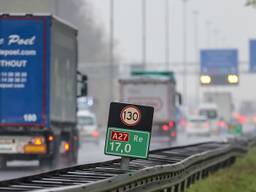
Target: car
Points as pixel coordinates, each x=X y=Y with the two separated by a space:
x=87 y=126
x=210 y=111
x=235 y=127
x=198 y=125
x=181 y=118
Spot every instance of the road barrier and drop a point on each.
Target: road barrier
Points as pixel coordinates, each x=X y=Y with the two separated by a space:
x=166 y=170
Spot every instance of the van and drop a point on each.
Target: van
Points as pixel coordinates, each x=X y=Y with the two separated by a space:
x=87 y=126
x=210 y=111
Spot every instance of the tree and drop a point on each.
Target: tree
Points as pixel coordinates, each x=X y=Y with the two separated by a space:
x=251 y=3
x=93 y=46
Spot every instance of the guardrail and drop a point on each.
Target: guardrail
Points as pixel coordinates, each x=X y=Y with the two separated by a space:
x=166 y=170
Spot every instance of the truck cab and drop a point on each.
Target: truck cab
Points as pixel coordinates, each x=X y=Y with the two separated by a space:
x=156 y=89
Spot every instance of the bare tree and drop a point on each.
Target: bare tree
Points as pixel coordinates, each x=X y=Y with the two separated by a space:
x=92 y=44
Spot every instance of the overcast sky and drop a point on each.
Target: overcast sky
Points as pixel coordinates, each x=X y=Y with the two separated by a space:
x=232 y=24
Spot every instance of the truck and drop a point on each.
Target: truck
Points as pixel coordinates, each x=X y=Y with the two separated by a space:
x=156 y=89
x=224 y=103
x=38 y=89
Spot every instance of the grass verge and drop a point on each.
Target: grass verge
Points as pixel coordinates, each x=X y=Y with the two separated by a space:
x=241 y=177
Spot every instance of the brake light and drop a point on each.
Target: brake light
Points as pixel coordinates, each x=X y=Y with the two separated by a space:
x=174 y=134
x=236 y=114
x=66 y=147
x=76 y=138
x=38 y=141
x=171 y=124
x=50 y=138
x=221 y=124
x=183 y=122
x=242 y=119
x=95 y=134
x=165 y=127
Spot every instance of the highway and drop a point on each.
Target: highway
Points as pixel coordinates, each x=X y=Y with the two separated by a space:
x=91 y=153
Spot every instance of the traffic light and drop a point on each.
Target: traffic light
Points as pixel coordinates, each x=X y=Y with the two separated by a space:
x=219 y=79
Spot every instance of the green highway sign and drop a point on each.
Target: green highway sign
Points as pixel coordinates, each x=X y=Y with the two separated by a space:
x=128 y=143
x=129 y=130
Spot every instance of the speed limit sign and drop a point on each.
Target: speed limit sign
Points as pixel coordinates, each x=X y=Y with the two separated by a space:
x=130 y=115
x=129 y=130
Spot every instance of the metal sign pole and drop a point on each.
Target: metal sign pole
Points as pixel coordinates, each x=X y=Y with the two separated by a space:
x=125 y=163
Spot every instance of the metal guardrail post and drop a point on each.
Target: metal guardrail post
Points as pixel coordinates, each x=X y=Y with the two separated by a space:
x=125 y=163
x=182 y=187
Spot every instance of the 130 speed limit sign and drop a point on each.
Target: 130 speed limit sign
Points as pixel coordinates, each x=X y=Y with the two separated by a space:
x=130 y=115
x=129 y=130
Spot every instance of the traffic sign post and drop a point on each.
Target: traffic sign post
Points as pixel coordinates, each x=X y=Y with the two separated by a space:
x=129 y=131
x=253 y=56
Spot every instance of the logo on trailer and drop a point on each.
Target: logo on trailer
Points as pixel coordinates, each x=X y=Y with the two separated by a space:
x=130 y=115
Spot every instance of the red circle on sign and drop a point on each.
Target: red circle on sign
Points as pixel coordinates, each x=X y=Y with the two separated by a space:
x=130 y=115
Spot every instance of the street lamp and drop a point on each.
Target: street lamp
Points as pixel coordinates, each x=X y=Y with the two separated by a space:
x=195 y=13
x=196 y=42
x=185 y=51
x=144 y=33
x=216 y=38
x=111 y=48
x=167 y=37
x=208 y=34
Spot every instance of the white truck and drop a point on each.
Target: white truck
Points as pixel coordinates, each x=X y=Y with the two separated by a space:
x=156 y=89
x=224 y=103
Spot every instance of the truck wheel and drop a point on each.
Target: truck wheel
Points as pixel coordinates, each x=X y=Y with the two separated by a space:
x=49 y=163
x=72 y=158
x=2 y=163
x=52 y=161
x=44 y=163
x=75 y=158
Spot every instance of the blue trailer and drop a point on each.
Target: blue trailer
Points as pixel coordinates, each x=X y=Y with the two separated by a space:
x=38 y=89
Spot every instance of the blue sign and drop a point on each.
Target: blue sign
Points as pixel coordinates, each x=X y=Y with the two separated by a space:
x=253 y=55
x=24 y=66
x=219 y=61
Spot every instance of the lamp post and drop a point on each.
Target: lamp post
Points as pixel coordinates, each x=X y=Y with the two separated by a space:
x=185 y=51
x=144 y=33
x=196 y=42
x=167 y=36
x=111 y=48
x=216 y=34
x=208 y=34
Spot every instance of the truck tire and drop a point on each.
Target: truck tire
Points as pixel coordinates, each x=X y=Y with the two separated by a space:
x=73 y=156
x=53 y=160
x=2 y=163
x=55 y=157
x=73 y=153
x=44 y=163
x=49 y=162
